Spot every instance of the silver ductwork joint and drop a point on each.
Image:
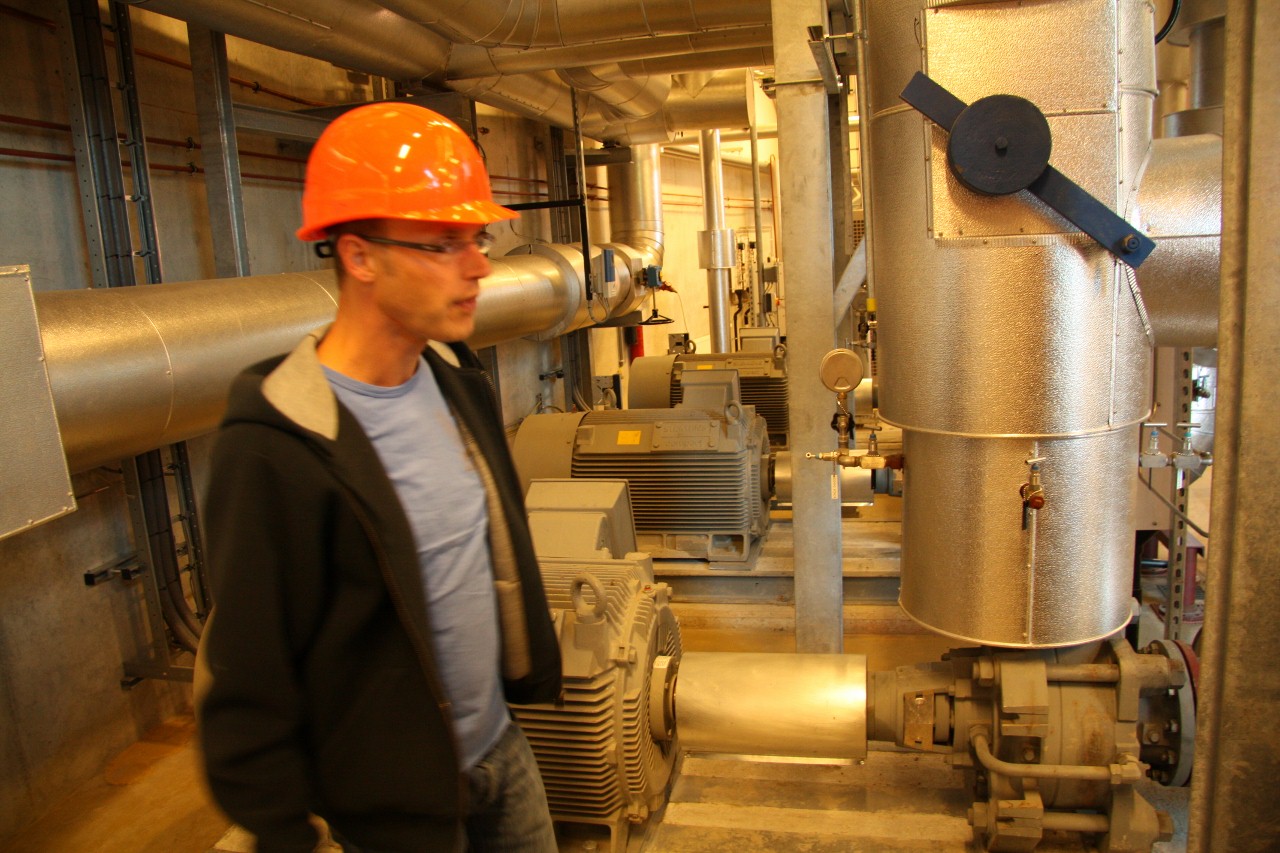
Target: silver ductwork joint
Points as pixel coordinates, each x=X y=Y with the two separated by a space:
x=625 y=96
x=1181 y=201
x=698 y=101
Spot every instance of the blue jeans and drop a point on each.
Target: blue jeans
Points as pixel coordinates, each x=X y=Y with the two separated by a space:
x=509 y=811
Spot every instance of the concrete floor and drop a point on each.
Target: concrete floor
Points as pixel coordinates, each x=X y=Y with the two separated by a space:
x=150 y=799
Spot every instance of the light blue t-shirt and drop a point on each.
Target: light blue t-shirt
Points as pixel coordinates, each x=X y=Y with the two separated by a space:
x=421 y=449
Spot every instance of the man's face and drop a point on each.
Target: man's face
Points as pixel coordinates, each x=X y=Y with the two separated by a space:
x=428 y=295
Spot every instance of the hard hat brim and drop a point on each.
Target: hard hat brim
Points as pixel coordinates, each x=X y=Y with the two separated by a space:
x=478 y=212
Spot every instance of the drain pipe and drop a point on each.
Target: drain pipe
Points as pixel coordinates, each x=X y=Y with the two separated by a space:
x=715 y=245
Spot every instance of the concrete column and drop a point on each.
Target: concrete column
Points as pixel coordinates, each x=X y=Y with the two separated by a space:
x=807 y=242
x=1237 y=755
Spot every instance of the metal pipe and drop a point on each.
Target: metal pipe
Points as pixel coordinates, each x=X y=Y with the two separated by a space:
x=796 y=705
x=1083 y=673
x=757 y=277
x=1181 y=202
x=356 y=34
x=716 y=243
x=629 y=96
x=982 y=749
x=474 y=61
x=541 y=23
x=635 y=207
x=1202 y=26
x=696 y=102
x=135 y=368
x=1098 y=824
x=132 y=369
x=708 y=60
x=541 y=95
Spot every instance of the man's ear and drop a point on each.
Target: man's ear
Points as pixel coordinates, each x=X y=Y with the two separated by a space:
x=355 y=257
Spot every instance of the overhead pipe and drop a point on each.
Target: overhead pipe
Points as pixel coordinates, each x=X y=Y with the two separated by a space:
x=709 y=60
x=362 y=35
x=468 y=60
x=357 y=34
x=541 y=96
x=132 y=369
x=625 y=96
x=545 y=23
x=697 y=102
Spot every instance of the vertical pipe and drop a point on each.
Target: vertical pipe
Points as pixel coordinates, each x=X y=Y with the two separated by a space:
x=1236 y=766
x=807 y=236
x=864 y=138
x=716 y=248
x=757 y=276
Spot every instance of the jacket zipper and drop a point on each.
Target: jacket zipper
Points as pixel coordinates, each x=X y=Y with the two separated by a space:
x=416 y=640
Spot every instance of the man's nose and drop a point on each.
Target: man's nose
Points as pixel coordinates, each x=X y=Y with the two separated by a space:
x=476 y=263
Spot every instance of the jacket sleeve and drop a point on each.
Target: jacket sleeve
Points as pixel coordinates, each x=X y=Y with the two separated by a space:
x=265 y=532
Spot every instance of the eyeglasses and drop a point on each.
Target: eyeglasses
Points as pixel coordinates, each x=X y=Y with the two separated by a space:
x=482 y=242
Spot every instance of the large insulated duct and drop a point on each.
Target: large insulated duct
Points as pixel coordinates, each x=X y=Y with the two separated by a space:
x=1201 y=26
x=698 y=101
x=1181 y=193
x=625 y=96
x=356 y=34
x=1181 y=203
x=135 y=368
x=474 y=61
x=1012 y=346
x=131 y=369
x=546 y=23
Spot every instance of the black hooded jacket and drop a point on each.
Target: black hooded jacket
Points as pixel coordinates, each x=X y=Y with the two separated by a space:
x=317 y=688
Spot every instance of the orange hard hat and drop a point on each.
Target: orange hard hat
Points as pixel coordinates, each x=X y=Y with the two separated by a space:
x=395 y=161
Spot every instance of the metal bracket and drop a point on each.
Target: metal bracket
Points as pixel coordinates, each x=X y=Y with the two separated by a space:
x=1055 y=189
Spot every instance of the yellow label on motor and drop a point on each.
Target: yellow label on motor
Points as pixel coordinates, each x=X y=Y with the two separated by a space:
x=706 y=367
x=628 y=436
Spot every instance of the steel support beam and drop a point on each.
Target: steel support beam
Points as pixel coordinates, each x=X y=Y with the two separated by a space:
x=218 y=146
x=1237 y=755
x=808 y=244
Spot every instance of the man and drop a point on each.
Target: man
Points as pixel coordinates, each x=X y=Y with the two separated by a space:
x=377 y=595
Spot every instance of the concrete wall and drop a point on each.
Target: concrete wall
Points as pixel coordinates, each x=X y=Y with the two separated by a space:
x=63 y=645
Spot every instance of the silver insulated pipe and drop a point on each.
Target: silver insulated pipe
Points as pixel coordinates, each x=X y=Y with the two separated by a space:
x=134 y=368
x=1013 y=352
